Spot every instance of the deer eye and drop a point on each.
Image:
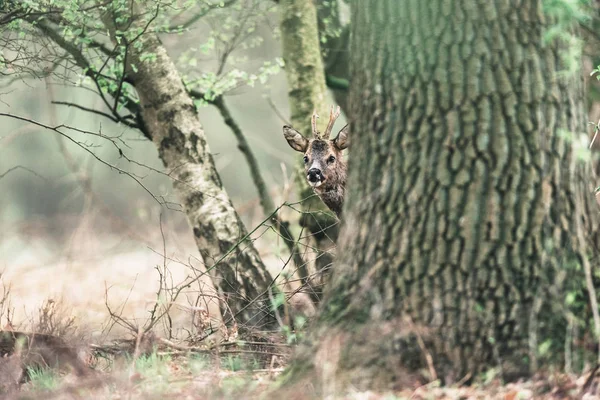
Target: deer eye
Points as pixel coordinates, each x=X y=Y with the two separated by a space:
x=331 y=159
x=305 y=159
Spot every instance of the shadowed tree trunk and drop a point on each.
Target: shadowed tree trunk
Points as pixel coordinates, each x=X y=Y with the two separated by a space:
x=336 y=54
x=465 y=202
x=171 y=120
x=307 y=92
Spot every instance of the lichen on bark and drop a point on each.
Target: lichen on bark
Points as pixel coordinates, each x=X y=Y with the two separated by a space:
x=170 y=116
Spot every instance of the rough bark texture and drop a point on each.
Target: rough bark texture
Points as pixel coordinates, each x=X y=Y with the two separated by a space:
x=307 y=92
x=171 y=119
x=464 y=198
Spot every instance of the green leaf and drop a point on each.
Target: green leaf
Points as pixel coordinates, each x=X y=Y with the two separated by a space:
x=544 y=348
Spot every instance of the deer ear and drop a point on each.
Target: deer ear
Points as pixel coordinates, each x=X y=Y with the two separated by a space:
x=342 y=141
x=295 y=139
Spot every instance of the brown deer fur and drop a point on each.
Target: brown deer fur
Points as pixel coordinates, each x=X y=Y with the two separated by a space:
x=324 y=166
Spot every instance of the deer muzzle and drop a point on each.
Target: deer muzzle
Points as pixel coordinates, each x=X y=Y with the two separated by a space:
x=315 y=177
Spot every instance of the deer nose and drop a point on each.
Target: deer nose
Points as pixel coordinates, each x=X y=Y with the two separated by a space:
x=314 y=175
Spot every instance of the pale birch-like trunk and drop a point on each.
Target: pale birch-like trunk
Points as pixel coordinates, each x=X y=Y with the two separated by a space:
x=171 y=120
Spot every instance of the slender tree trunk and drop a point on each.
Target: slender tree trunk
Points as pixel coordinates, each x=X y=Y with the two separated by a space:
x=282 y=227
x=335 y=51
x=465 y=198
x=307 y=92
x=171 y=120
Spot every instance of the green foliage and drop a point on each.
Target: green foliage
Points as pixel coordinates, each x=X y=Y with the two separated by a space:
x=155 y=372
x=596 y=72
x=568 y=11
x=278 y=299
x=331 y=28
x=490 y=375
x=296 y=334
x=153 y=366
x=198 y=363
x=80 y=41
x=43 y=379
x=235 y=33
x=544 y=348
x=236 y=363
x=572 y=324
x=233 y=363
x=566 y=15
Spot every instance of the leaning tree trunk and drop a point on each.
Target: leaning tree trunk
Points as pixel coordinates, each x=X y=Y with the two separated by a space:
x=171 y=120
x=307 y=92
x=465 y=196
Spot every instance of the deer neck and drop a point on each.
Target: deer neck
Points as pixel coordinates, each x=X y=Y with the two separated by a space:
x=333 y=193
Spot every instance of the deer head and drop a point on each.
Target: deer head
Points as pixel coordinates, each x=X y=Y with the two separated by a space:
x=324 y=166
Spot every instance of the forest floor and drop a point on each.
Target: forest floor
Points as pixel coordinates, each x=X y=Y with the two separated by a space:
x=62 y=285
x=165 y=375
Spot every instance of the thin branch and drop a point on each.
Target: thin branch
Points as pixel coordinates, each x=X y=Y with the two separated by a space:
x=86 y=148
x=123 y=120
x=265 y=199
x=12 y=16
x=233 y=248
x=2 y=175
x=196 y=17
x=83 y=63
x=277 y=112
x=78 y=56
x=94 y=44
x=121 y=81
x=587 y=268
x=244 y=147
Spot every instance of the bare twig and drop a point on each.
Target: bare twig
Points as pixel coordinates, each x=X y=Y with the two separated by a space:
x=587 y=268
x=277 y=112
x=423 y=348
x=596 y=130
x=265 y=199
x=122 y=120
x=85 y=65
x=18 y=167
x=86 y=147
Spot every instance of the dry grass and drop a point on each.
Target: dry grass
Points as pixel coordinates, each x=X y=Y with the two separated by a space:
x=61 y=286
x=155 y=376
x=96 y=290
x=165 y=376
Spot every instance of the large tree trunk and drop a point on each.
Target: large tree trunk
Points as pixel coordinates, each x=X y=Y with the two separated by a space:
x=307 y=92
x=171 y=120
x=465 y=198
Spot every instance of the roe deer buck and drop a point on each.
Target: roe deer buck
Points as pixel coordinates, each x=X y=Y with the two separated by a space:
x=323 y=164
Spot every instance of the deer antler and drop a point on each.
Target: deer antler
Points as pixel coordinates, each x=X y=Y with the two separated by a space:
x=313 y=120
x=332 y=117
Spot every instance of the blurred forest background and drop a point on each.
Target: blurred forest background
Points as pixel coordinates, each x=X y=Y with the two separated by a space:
x=122 y=121
x=70 y=225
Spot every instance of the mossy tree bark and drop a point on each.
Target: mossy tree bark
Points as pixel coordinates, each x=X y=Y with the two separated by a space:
x=465 y=200
x=307 y=92
x=171 y=120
